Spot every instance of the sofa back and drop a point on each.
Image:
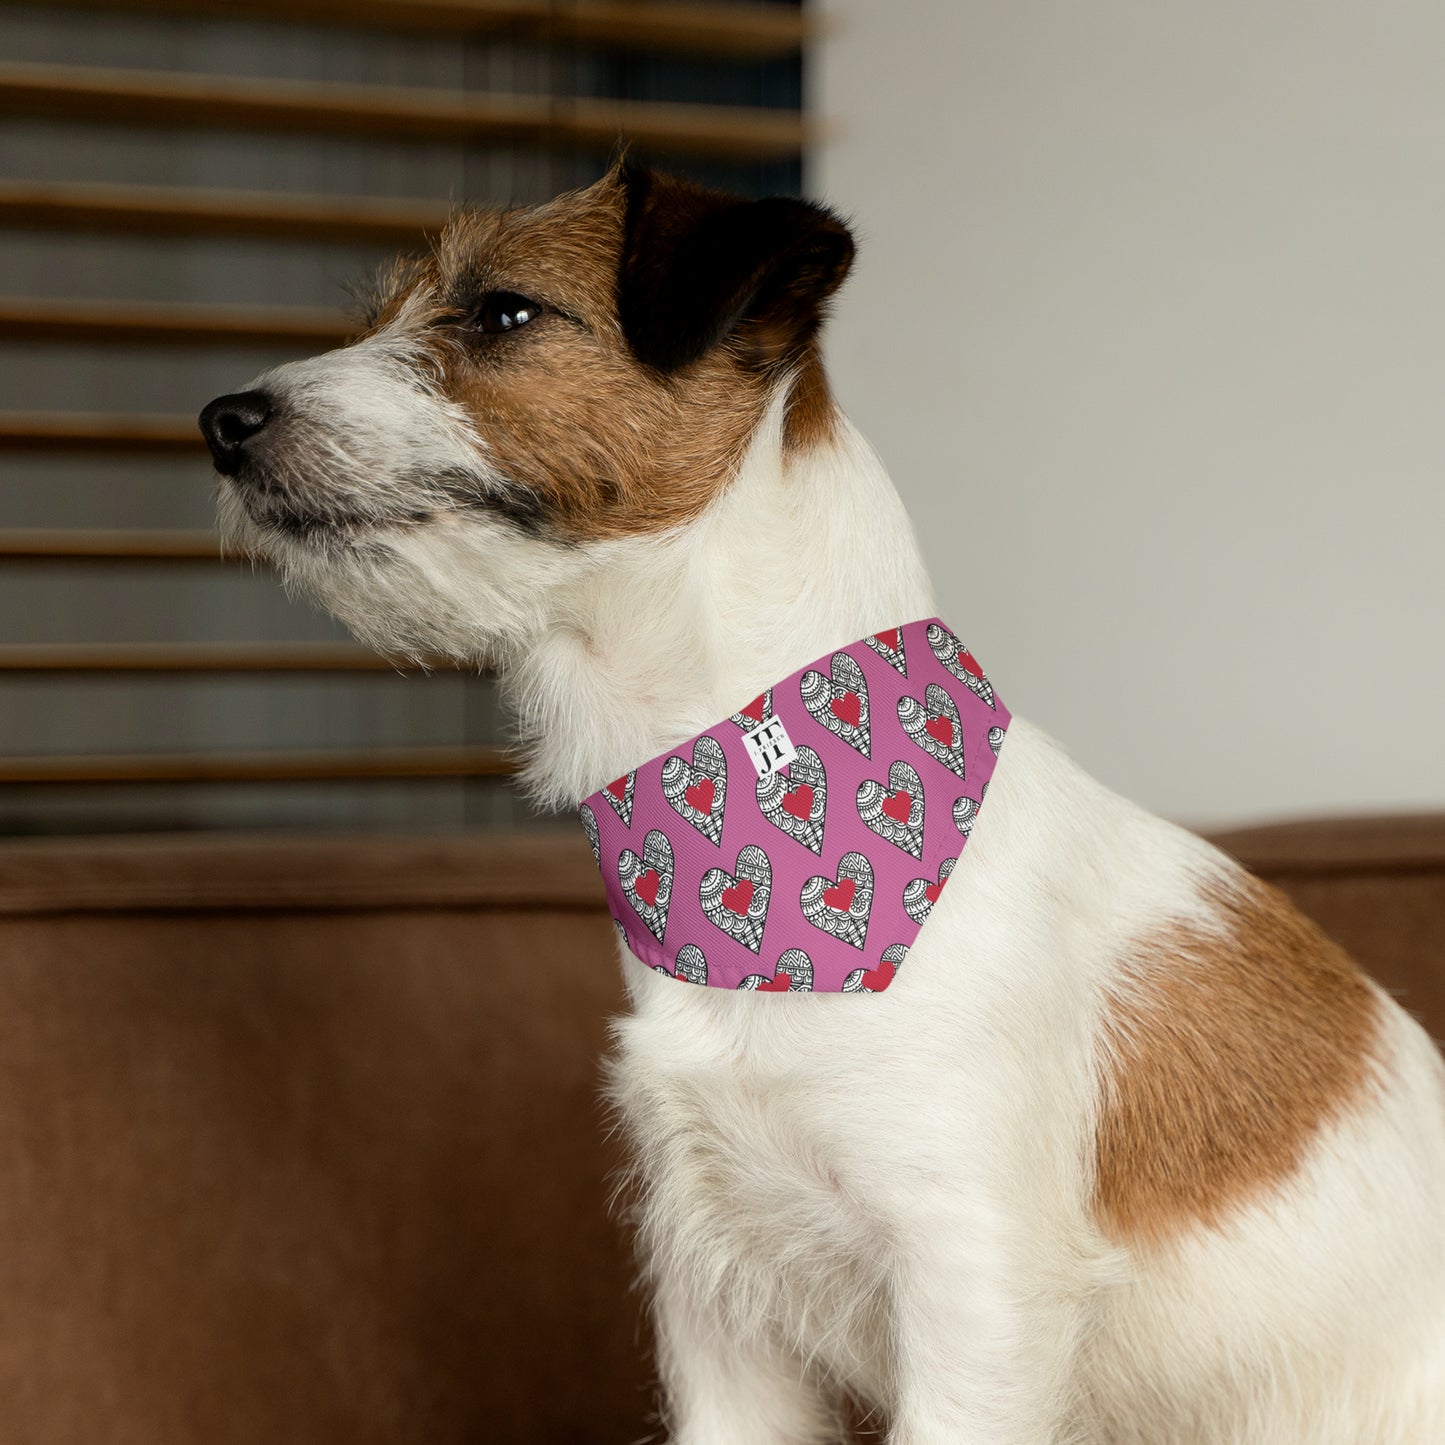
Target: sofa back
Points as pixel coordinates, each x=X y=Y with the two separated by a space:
x=303 y=1139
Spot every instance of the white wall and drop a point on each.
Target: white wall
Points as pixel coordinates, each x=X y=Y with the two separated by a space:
x=1149 y=323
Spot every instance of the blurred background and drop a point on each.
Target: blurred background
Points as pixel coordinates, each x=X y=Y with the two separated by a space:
x=187 y=191
x=1146 y=323
x=1149 y=324
x=301 y=1008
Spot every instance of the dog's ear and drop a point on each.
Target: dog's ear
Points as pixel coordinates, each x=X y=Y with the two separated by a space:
x=699 y=266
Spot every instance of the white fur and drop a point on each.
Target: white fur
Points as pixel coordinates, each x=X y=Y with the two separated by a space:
x=891 y=1195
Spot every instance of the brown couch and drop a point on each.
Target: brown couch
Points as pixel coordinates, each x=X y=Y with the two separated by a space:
x=301 y=1138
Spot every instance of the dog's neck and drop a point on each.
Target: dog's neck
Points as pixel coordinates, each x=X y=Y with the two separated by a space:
x=657 y=638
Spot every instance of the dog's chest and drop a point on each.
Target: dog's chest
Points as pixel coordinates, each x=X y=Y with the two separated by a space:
x=749 y=1178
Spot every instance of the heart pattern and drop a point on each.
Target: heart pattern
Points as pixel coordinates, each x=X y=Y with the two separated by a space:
x=738 y=903
x=935 y=726
x=796 y=800
x=889 y=646
x=965 y=810
x=866 y=852
x=698 y=793
x=875 y=980
x=794 y=974
x=959 y=661
x=589 y=827
x=647 y=881
x=755 y=712
x=620 y=794
x=895 y=813
x=841 y=906
x=922 y=893
x=840 y=703
x=691 y=964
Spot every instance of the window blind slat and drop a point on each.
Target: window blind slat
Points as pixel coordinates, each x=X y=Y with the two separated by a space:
x=97 y=544
x=175 y=210
x=165 y=657
x=330 y=765
x=83 y=431
x=706 y=29
x=94 y=322
x=309 y=765
x=218 y=102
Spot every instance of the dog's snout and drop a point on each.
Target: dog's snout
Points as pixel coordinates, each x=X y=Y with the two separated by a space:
x=229 y=422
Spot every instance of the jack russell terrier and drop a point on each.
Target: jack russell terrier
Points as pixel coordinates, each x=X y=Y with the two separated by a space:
x=1101 y=1144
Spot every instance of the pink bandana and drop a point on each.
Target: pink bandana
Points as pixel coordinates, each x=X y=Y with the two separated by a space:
x=801 y=844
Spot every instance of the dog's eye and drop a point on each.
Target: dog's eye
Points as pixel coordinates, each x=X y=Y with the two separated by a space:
x=504 y=311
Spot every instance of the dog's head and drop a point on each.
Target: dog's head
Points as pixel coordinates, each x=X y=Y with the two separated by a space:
x=561 y=377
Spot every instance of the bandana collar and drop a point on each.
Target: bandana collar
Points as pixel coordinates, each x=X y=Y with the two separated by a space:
x=800 y=845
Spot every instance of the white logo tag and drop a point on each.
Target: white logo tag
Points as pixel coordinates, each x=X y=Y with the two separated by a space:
x=769 y=746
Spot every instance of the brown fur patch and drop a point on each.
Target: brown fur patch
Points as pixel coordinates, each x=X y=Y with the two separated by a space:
x=607 y=446
x=597 y=443
x=1226 y=1054
x=812 y=413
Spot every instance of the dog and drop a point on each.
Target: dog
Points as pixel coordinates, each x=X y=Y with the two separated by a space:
x=1128 y=1153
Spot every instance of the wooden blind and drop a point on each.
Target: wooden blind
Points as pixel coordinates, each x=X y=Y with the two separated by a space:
x=191 y=182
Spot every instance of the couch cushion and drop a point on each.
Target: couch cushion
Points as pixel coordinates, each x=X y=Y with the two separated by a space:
x=303 y=1142
x=1374 y=884
x=303 y=1139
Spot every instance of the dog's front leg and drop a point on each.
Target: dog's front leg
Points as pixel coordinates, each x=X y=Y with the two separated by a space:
x=984 y=1346
x=724 y=1386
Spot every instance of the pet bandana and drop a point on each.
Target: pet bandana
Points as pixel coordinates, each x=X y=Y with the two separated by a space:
x=800 y=845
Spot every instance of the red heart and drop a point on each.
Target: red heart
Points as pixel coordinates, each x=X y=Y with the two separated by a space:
x=754 y=709
x=966 y=662
x=888 y=639
x=646 y=887
x=618 y=789
x=940 y=728
x=931 y=891
x=899 y=806
x=840 y=895
x=779 y=983
x=799 y=802
x=738 y=899
x=701 y=795
x=879 y=978
x=847 y=709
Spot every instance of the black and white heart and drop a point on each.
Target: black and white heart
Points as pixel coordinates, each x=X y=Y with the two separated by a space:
x=841 y=905
x=697 y=792
x=921 y=894
x=889 y=646
x=895 y=812
x=840 y=703
x=620 y=795
x=965 y=810
x=759 y=710
x=796 y=800
x=875 y=980
x=647 y=881
x=934 y=725
x=737 y=903
x=691 y=965
x=794 y=974
x=589 y=827
x=959 y=661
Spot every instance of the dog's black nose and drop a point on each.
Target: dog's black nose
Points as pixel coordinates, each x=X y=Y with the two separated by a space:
x=229 y=422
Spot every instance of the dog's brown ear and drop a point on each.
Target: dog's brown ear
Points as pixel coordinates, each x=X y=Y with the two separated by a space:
x=699 y=266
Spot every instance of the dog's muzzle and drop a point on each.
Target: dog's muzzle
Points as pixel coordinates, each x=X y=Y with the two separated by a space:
x=230 y=422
